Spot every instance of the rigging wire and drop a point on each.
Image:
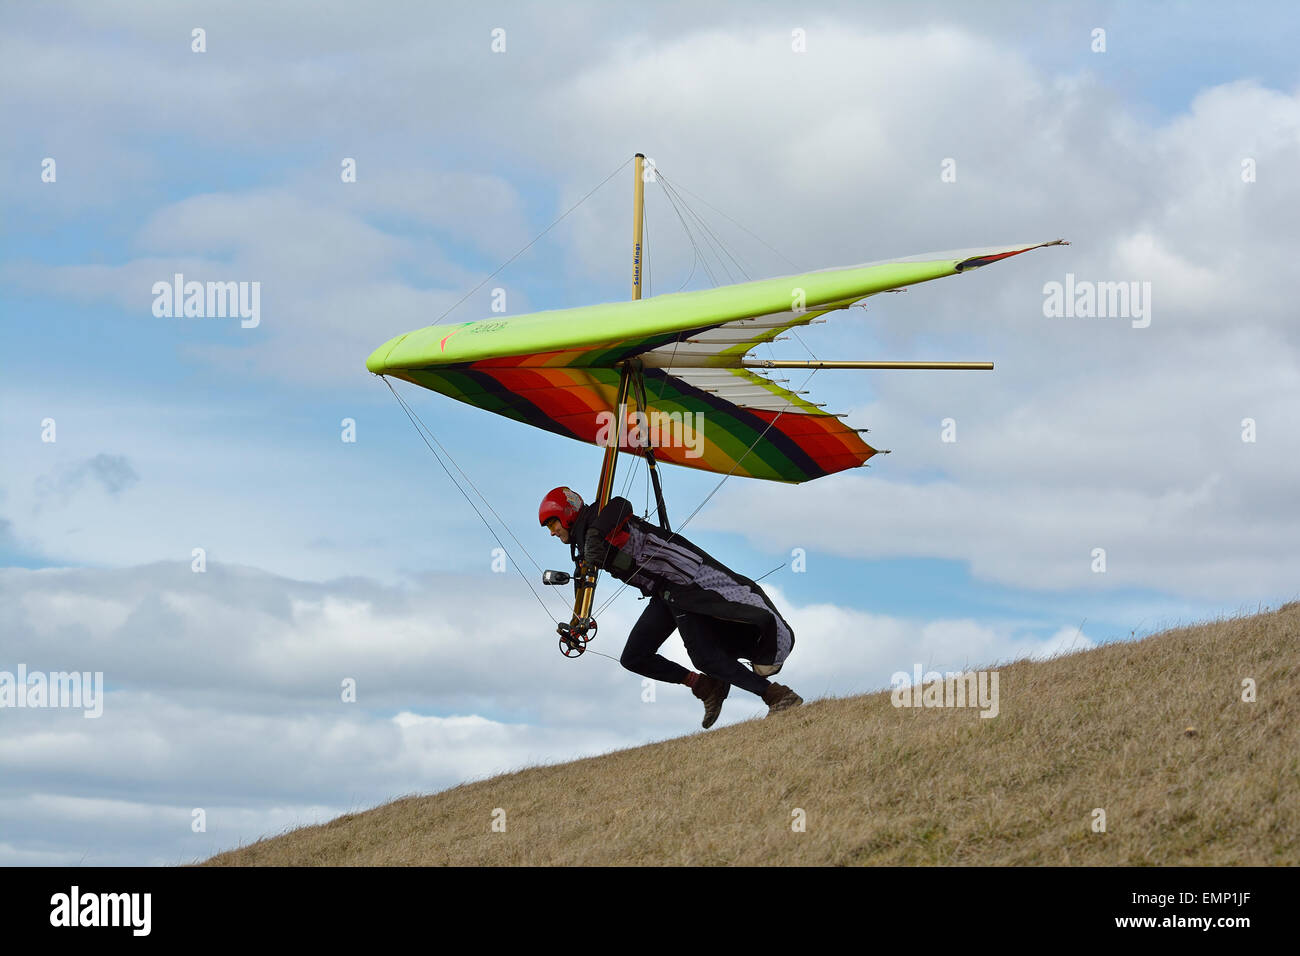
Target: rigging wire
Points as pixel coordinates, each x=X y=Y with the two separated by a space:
x=800 y=340
x=695 y=261
x=420 y=429
x=699 y=256
x=708 y=231
x=426 y=433
x=711 y=241
x=631 y=473
x=682 y=526
x=741 y=227
x=671 y=188
x=677 y=339
x=673 y=198
x=530 y=244
x=708 y=235
x=469 y=480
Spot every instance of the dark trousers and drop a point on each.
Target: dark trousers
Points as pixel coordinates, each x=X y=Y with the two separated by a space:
x=713 y=646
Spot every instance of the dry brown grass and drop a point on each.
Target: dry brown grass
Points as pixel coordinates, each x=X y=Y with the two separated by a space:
x=882 y=785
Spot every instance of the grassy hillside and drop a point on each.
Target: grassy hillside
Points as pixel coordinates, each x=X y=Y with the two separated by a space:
x=1155 y=733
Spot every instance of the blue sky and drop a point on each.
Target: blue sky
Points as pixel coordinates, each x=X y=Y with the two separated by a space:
x=330 y=560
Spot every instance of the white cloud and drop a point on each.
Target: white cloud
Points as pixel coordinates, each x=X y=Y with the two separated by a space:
x=1066 y=641
x=225 y=685
x=224 y=694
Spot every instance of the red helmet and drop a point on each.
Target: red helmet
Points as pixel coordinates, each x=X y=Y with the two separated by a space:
x=563 y=503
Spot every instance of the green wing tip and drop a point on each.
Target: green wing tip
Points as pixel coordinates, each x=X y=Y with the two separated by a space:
x=378 y=360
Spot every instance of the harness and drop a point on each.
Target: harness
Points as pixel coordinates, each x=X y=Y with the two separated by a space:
x=618 y=536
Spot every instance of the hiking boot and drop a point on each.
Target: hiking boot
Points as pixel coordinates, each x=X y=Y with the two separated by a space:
x=779 y=697
x=713 y=692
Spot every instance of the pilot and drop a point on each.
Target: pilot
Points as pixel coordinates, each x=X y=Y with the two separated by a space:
x=723 y=617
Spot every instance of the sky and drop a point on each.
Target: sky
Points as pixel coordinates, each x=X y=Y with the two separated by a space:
x=180 y=510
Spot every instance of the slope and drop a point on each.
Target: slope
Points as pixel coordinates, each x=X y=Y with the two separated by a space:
x=1155 y=733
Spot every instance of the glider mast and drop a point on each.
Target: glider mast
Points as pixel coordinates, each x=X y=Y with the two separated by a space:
x=586 y=582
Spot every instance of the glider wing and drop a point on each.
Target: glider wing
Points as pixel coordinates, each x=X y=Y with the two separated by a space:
x=559 y=370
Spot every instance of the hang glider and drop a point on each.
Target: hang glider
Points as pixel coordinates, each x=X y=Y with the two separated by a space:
x=559 y=370
x=612 y=375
